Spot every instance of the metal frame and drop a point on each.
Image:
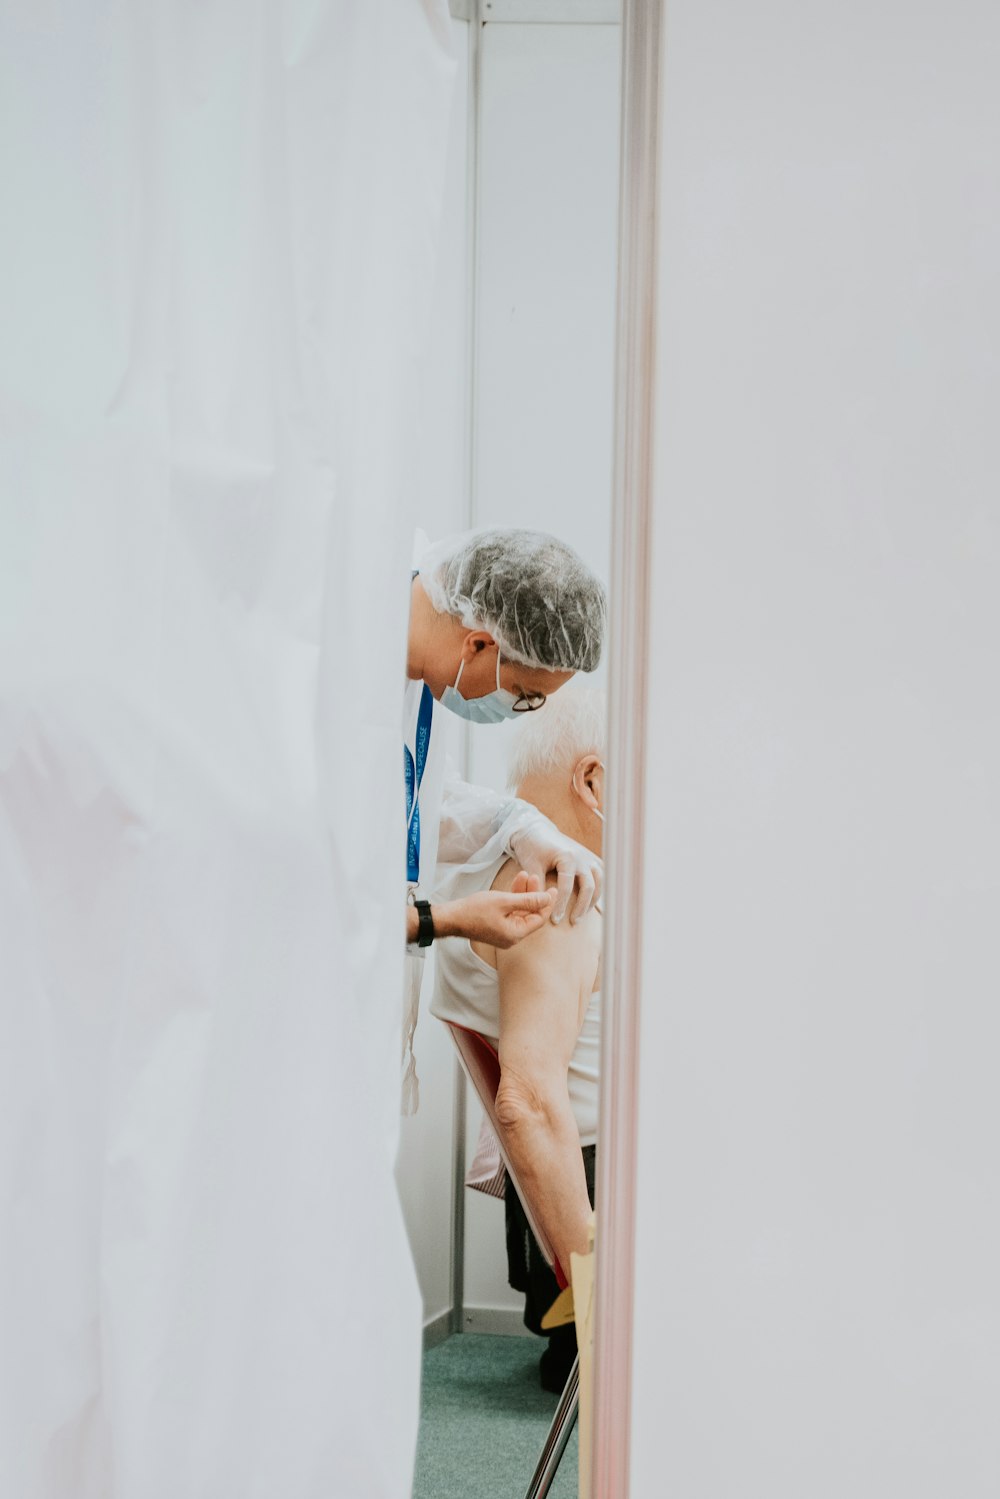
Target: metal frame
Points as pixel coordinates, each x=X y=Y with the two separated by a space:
x=630 y=551
x=558 y=1435
x=472 y=200
x=456 y=1312
x=539 y=12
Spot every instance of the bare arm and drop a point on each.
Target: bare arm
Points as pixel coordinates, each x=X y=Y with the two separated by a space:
x=497 y=917
x=545 y=982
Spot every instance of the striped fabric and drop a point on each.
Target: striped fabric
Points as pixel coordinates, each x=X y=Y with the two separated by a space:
x=487 y=1172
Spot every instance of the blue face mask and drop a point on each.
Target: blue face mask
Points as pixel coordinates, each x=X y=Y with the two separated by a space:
x=493 y=708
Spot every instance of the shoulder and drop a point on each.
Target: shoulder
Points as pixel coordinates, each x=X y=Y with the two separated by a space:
x=574 y=949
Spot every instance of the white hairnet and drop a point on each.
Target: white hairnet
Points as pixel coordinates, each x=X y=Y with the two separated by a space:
x=535 y=596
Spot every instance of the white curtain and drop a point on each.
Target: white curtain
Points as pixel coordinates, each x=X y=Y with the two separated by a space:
x=218 y=232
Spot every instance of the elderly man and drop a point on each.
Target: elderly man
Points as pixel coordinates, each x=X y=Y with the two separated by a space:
x=500 y=620
x=539 y=1003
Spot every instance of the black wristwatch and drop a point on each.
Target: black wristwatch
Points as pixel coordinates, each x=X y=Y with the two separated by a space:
x=425 y=928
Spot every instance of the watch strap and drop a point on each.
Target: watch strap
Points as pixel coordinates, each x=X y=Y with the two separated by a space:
x=425 y=928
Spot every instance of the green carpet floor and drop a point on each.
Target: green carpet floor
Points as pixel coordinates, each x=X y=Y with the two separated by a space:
x=483 y=1420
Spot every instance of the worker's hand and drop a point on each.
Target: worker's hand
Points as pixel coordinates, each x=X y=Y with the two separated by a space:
x=497 y=917
x=538 y=846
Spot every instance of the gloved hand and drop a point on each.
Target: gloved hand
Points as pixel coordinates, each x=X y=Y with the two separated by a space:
x=538 y=846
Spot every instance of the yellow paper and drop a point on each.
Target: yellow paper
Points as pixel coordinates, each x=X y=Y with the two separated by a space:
x=561 y=1312
x=582 y=1278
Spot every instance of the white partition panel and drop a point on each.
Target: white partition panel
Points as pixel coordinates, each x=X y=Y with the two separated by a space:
x=817 y=1302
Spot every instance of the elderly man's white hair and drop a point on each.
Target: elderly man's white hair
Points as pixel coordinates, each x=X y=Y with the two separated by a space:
x=573 y=723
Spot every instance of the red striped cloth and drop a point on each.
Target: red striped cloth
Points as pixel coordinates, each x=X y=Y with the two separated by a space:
x=487 y=1172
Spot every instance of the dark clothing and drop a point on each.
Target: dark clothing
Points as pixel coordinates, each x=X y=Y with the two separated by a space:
x=526 y=1267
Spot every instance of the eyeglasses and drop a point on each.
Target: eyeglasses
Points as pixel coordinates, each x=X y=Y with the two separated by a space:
x=529 y=702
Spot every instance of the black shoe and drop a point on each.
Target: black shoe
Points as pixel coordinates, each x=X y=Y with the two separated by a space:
x=556 y=1362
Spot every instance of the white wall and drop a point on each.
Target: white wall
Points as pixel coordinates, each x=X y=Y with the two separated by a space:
x=548 y=211
x=817 y=1292
x=439 y=506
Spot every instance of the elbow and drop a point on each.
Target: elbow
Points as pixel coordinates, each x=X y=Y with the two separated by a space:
x=522 y=1103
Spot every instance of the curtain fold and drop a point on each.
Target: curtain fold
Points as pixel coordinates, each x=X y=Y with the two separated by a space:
x=218 y=243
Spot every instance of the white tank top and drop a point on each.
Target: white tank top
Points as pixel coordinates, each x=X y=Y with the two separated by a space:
x=467 y=991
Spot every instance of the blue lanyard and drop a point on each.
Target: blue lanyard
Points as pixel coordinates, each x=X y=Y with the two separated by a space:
x=414 y=776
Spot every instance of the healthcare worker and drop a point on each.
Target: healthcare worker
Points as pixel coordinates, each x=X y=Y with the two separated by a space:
x=500 y=619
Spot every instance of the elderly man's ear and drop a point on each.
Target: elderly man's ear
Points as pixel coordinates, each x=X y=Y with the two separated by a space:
x=588 y=782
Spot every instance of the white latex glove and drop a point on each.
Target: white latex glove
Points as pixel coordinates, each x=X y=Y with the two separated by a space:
x=538 y=846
